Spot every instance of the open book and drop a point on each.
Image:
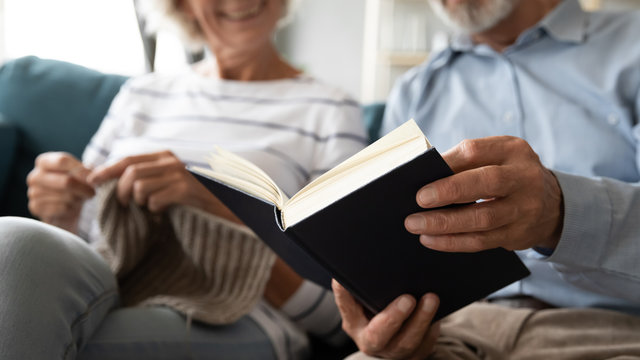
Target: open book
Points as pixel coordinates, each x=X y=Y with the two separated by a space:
x=349 y=224
x=386 y=154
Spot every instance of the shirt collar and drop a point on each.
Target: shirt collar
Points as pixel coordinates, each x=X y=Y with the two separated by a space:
x=567 y=22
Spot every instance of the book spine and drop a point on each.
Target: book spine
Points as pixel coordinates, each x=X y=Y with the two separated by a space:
x=279 y=217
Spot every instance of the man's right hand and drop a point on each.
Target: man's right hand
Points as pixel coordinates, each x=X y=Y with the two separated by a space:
x=58 y=188
x=403 y=330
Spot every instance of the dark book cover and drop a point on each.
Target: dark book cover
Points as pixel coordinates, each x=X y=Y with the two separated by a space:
x=360 y=240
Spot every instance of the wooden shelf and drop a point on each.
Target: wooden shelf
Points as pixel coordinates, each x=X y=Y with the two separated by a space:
x=403 y=58
x=591 y=5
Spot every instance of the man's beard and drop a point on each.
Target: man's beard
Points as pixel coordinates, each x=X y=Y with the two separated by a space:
x=474 y=16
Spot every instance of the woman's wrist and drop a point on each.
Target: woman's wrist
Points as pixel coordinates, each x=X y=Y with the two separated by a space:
x=282 y=284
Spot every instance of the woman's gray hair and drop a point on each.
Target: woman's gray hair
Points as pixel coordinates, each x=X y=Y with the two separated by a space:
x=165 y=15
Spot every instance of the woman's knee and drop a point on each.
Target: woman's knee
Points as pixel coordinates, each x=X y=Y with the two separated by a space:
x=22 y=239
x=54 y=290
x=30 y=248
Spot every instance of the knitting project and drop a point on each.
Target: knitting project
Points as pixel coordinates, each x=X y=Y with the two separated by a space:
x=204 y=266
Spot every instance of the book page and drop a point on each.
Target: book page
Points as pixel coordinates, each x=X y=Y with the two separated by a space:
x=242 y=174
x=396 y=148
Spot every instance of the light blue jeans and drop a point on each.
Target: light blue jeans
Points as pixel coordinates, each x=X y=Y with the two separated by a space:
x=59 y=300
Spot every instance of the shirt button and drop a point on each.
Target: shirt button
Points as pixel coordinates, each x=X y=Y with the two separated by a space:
x=613 y=119
x=507 y=118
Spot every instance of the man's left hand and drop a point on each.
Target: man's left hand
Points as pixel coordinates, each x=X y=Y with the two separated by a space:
x=521 y=203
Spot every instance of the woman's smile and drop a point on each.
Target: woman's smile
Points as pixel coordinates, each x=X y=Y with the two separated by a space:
x=245 y=11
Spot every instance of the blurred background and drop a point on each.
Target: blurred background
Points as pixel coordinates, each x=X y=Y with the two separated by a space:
x=360 y=45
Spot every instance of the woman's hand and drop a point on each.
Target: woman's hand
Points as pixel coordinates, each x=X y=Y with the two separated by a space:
x=157 y=181
x=57 y=188
x=401 y=331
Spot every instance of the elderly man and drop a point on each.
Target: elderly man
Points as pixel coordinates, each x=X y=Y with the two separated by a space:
x=549 y=95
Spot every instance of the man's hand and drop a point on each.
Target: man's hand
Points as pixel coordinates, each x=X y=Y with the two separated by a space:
x=401 y=331
x=57 y=188
x=157 y=181
x=522 y=205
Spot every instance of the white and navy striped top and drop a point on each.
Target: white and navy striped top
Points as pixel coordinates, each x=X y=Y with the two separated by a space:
x=294 y=129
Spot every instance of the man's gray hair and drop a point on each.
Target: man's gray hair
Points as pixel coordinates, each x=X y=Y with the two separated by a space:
x=165 y=15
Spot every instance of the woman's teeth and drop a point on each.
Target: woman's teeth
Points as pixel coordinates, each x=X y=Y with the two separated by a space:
x=243 y=14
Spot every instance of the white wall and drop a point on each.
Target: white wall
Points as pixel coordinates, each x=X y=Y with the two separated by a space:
x=1 y=30
x=100 y=34
x=326 y=40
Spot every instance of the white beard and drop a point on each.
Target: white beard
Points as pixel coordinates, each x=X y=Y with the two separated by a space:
x=473 y=17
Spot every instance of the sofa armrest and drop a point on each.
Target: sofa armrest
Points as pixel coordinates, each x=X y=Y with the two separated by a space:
x=54 y=106
x=8 y=143
x=372 y=115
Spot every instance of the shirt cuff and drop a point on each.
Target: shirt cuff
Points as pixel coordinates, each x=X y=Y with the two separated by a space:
x=313 y=309
x=587 y=220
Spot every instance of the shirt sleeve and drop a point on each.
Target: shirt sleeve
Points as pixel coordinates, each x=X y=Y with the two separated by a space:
x=343 y=135
x=96 y=154
x=599 y=248
x=313 y=309
x=99 y=148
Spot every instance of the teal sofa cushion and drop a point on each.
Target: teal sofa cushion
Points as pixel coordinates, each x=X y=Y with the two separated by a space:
x=372 y=115
x=53 y=106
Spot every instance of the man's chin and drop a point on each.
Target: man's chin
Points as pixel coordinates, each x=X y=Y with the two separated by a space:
x=471 y=18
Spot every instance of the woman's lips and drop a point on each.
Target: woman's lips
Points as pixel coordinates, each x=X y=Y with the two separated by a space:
x=243 y=14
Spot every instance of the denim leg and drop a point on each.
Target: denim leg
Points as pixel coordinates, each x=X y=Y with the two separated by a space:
x=58 y=300
x=160 y=333
x=54 y=291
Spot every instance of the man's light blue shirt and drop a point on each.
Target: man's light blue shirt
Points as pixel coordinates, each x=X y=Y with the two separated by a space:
x=570 y=87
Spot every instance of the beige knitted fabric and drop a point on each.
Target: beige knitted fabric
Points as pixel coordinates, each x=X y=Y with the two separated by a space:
x=204 y=266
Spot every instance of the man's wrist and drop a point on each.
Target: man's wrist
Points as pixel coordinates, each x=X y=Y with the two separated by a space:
x=548 y=245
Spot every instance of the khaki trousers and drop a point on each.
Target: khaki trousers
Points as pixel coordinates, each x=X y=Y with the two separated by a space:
x=493 y=332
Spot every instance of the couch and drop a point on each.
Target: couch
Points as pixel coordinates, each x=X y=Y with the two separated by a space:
x=48 y=105
x=45 y=105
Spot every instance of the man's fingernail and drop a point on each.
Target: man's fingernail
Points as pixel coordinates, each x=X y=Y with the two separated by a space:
x=427 y=196
x=429 y=304
x=426 y=240
x=404 y=304
x=415 y=223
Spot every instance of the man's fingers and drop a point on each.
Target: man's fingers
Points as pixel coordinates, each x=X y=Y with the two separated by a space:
x=473 y=153
x=414 y=332
x=482 y=216
x=353 y=318
x=486 y=182
x=428 y=344
x=383 y=327
x=469 y=242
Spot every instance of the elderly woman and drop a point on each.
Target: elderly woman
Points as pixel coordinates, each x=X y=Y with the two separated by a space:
x=157 y=237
